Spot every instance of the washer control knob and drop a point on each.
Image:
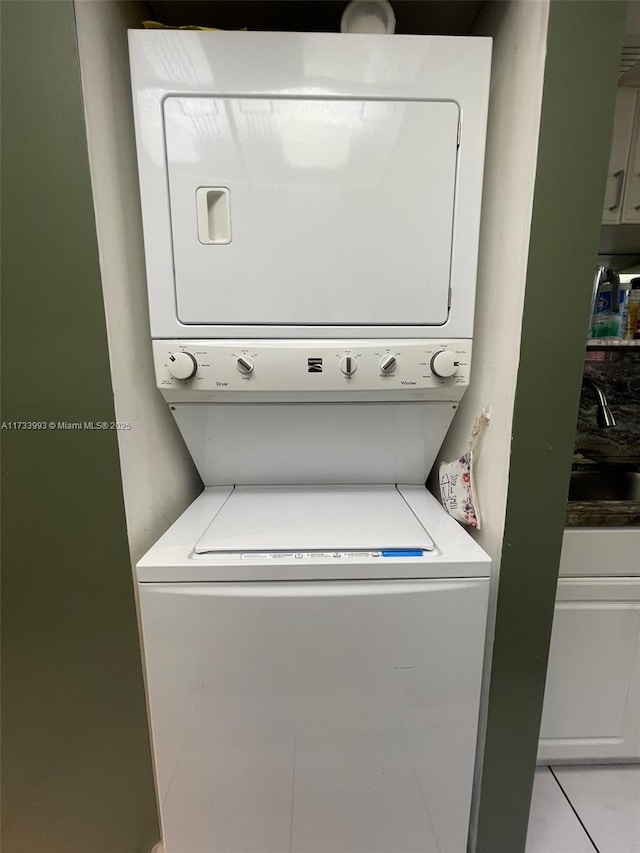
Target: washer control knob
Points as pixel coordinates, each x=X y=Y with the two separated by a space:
x=349 y=365
x=244 y=365
x=182 y=365
x=388 y=364
x=444 y=364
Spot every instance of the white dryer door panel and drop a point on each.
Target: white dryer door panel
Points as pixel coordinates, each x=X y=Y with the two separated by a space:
x=311 y=211
x=314 y=717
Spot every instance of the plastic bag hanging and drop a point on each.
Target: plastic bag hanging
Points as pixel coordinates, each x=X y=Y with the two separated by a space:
x=457 y=488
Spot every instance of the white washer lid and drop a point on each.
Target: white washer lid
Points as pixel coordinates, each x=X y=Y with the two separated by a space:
x=314 y=518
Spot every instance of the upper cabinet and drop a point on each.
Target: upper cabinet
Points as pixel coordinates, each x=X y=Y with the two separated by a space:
x=622 y=195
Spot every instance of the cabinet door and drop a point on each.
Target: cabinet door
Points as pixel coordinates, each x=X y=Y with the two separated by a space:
x=592 y=699
x=631 y=202
x=602 y=552
x=618 y=162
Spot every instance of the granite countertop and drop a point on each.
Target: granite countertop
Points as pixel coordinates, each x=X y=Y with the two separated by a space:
x=603 y=513
x=617 y=372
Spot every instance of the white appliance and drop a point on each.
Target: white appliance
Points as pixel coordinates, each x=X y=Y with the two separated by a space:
x=313 y=625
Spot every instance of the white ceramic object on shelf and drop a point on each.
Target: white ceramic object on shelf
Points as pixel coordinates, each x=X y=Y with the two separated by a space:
x=368 y=16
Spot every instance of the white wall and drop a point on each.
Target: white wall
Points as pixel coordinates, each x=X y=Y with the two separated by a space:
x=158 y=477
x=519 y=31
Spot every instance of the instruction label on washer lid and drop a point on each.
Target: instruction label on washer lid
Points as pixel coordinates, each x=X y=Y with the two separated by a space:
x=310 y=555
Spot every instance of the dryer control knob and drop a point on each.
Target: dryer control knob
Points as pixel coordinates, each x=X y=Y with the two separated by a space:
x=244 y=365
x=182 y=365
x=349 y=365
x=388 y=364
x=444 y=364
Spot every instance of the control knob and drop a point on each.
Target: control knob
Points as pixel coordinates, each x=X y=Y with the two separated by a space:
x=244 y=365
x=348 y=365
x=182 y=365
x=444 y=364
x=388 y=364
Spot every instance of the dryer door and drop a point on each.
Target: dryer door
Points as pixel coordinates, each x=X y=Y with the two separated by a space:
x=311 y=211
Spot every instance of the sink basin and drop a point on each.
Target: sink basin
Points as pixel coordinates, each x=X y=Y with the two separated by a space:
x=605 y=486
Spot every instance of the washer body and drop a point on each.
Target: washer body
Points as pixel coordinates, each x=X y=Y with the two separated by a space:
x=312 y=687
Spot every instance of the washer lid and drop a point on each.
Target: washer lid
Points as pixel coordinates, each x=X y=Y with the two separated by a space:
x=314 y=518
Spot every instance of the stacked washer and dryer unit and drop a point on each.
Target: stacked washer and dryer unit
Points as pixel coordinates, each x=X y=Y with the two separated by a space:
x=314 y=623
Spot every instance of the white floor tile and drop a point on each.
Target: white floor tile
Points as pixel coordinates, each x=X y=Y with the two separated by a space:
x=553 y=827
x=607 y=798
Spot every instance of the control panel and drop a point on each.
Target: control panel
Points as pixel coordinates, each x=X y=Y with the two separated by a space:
x=319 y=369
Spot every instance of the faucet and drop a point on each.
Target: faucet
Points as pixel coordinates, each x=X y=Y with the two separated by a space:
x=605 y=415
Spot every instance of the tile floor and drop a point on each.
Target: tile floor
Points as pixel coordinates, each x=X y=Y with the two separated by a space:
x=582 y=809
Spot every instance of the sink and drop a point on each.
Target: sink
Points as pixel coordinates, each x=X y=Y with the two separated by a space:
x=604 y=486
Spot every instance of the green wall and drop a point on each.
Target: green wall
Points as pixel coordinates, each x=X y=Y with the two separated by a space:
x=76 y=768
x=75 y=758
x=583 y=49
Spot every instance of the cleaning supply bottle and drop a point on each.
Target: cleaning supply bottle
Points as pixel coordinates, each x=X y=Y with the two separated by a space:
x=605 y=304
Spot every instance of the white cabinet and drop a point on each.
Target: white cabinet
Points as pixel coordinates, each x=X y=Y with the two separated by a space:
x=622 y=194
x=592 y=698
x=631 y=198
x=611 y=552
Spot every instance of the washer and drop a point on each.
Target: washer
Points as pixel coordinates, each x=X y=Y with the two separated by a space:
x=313 y=659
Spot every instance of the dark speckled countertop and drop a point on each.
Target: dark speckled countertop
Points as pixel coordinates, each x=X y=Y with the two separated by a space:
x=603 y=513
x=617 y=371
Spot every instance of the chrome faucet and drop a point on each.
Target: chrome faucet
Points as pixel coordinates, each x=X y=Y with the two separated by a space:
x=605 y=415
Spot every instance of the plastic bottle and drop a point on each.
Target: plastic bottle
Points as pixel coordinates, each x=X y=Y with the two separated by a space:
x=605 y=321
x=632 y=326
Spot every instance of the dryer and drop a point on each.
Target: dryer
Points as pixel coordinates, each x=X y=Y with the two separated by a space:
x=310 y=185
x=313 y=625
